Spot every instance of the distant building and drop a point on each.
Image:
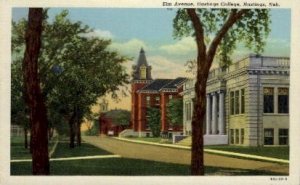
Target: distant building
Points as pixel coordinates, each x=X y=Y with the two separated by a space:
x=147 y=92
x=107 y=125
x=247 y=103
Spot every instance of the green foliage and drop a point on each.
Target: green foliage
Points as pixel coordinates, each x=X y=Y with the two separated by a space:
x=19 y=111
x=153 y=120
x=252 y=29
x=175 y=111
x=119 y=116
x=74 y=69
x=94 y=128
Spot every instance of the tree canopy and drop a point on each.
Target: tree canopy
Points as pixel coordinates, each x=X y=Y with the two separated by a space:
x=226 y=28
x=119 y=116
x=74 y=69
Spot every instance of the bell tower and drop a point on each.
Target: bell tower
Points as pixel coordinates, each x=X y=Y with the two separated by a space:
x=142 y=71
x=141 y=76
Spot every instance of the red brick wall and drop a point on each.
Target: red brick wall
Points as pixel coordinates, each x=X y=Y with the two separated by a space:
x=106 y=124
x=134 y=104
x=139 y=107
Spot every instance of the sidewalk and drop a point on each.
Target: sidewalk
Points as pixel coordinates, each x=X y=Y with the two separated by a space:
x=71 y=158
x=226 y=153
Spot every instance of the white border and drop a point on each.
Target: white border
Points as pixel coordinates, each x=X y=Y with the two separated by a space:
x=5 y=30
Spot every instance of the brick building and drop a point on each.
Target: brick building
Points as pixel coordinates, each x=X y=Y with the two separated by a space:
x=148 y=92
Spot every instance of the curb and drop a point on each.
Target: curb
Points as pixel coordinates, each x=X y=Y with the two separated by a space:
x=234 y=154
x=71 y=158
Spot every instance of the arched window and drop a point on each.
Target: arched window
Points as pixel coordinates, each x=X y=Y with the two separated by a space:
x=143 y=72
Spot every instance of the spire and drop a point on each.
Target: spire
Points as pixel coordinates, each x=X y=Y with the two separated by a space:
x=142 y=50
x=142 y=59
x=142 y=70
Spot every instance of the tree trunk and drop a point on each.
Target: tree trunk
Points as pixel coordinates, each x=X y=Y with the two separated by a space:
x=30 y=142
x=78 y=133
x=197 y=163
x=25 y=138
x=38 y=112
x=50 y=133
x=72 y=131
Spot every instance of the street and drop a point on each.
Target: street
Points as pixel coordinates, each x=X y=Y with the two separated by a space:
x=179 y=156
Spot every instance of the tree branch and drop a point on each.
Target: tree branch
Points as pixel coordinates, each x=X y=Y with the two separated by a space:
x=232 y=18
x=199 y=33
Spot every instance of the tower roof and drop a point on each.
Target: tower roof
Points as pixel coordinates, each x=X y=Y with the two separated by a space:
x=142 y=59
x=141 y=62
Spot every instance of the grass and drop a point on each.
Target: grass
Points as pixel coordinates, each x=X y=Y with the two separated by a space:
x=151 y=139
x=63 y=150
x=18 y=151
x=280 y=152
x=115 y=166
x=127 y=167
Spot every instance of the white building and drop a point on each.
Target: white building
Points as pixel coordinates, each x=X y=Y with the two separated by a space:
x=247 y=103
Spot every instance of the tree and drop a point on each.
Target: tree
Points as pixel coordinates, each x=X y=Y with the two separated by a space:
x=175 y=111
x=153 y=120
x=71 y=81
x=226 y=27
x=119 y=117
x=33 y=95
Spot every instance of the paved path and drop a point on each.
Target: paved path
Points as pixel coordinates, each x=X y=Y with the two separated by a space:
x=179 y=156
x=213 y=151
x=70 y=158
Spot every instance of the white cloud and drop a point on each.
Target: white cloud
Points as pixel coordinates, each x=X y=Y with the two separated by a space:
x=165 y=68
x=130 y=48
x=185 y=46
x=99 y=33
x=280 y=42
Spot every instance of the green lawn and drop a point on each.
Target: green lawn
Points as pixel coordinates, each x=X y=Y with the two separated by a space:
x=18 y=150
x=63 y=150
x=114 y=166
x=280 y=152
x=125 y=166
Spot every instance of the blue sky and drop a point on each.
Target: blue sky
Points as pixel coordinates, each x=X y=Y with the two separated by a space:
x=131 y=29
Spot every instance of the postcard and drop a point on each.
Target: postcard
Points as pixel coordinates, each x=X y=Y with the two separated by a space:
x=161 y=92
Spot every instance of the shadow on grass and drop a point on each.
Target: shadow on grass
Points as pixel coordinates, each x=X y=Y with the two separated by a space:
x=63 y=150
x=128 y=167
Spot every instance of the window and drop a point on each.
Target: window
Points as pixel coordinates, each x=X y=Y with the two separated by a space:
x=237 y=103
x=188 y=112
x=283 y=100
x=242 y=101
x=269 y=136
x=143 y=72
x=231 y=136
x=268 y=100
x=170 y=97
x=283 y=136
x=242 y=135
x=237 y=136
x=232 y=103
x=157 y=98
x=148 y=100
